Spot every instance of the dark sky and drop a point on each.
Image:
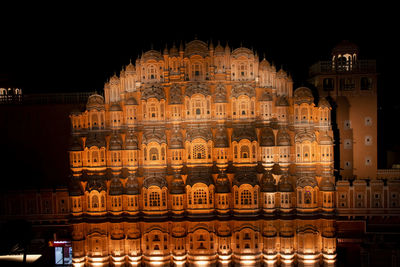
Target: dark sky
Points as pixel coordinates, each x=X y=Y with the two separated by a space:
x=74 y=48
x=69 y=48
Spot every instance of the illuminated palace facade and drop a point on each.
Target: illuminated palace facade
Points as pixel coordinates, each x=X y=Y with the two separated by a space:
x=202 y=155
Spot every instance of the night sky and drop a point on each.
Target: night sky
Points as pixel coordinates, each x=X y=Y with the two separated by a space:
x=50 y=49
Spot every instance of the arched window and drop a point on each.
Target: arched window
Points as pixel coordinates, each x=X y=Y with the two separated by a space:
x=153 y=153
x=244 y=152
x=307 y=197
x=151 y=72
x=245 y=197
x=95 y=202
x=154 y=199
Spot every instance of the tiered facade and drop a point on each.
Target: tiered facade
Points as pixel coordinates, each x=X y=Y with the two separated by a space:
x=214 y=151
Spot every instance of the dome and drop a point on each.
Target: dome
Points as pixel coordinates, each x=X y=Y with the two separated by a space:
x=173 y=51
x=303 y=95
x=132 y=186
x=131 y=101
x=276 y=169
x=222 y=185
x=325 y=139
x=156 y=180
x=115 y=142
x=221 y=138
x=219 y=48
x=283 y=138
x=116 y=187
x=345 y=47
x=75 y=188
x=264 y=63
x=242 y=132
x=76 y=144
x=326 y=185
x=96 y=182
x=323 y=103
x=131 y=141
x=177 y=186
x=267 y=137
x=95 y=139
x=284 y=185
x=196 y=47
x=176 y=141
x=199 y=175
x=268 y=183
x=130 y=68
x=95 y=101
x=245 y=176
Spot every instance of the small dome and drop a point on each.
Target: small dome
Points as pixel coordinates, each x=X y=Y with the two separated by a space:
x=76 y=144
x=95 y=101
x=303 y=95
x=173 y=51
x=116 y=187
x=246 y=176
x=325 y=139
x=75 y=188
x=132 y=185
x=326 y=185
x=221 y=138
x=268 y=183
x=222 y=185
x=115 y=142
x=283 y=138
x=267 y=137
x=276 y=169
x=177 y=185
x=130 y=68
x=219 y=48
x=131 y=101
x=323 y=103
x=176 y=141
x=96 y=182
x=284 y=185
x=345 y=47
x=131 y=141
x=95 y=139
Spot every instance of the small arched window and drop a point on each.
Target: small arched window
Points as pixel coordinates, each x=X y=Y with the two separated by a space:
x=95 y=202
x=153 y=153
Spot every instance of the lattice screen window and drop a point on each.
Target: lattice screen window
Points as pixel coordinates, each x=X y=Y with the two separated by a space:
x=245 y=197
x=200 y=196
x=154 y=199
x=199 y=151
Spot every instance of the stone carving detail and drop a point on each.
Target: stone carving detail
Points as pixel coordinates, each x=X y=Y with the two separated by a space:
x=198 y=132
x=155 y=180
x=242 y=132
x=153 y=91
x=154 y=135
x=197 y=88
x=243 y=89
x=175 y=95
x=220 y=94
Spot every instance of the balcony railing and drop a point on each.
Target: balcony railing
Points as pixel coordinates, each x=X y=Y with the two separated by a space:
x=331 y=67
